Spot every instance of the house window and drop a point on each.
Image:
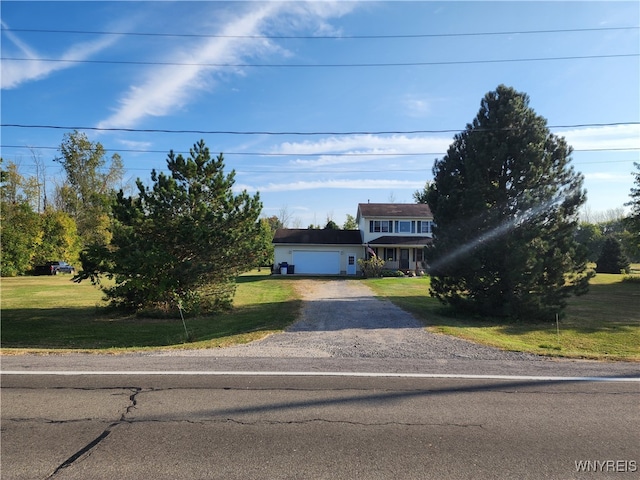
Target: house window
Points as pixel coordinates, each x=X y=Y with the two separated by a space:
x=404 y=226
x=425 y=227
x=380 y=226
x=419 y=254
x=390 y=254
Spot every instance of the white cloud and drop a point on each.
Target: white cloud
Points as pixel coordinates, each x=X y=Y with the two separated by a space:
x=168 y=87
x=605 y=137
x=364 y=148
x=416 y=106
x=15 y=73
x=135 y=145
x=608 y=177
x=359 y=184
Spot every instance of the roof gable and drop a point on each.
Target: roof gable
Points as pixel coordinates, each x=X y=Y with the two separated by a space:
x=391 y=210
x=317 y=237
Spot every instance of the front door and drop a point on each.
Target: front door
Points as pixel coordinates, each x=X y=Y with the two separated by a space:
x=404 y=259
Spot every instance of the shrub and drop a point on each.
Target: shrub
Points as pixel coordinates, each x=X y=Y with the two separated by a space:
x=371 y=268
x=391 y=273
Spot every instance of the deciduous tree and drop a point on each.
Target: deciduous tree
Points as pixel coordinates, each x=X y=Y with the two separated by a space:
x=89 y=189
x=60 y=240
x=264 y=244
x=505 y=202
x=21 y=233
x=19 y=225
x=350 y=223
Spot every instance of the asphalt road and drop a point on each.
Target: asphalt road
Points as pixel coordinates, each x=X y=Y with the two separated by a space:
x=357 y=389
x=213 y=423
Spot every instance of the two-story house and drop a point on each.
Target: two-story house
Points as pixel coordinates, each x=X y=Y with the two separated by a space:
x=396 y=232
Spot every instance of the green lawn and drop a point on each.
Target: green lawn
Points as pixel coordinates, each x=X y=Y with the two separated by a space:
x=44 y=313
x=604 y=324
x=55 y=313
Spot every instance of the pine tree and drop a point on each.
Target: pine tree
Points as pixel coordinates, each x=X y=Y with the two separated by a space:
x=505 y=202
x=633 y=221
x=183 y=239
x=612 y=259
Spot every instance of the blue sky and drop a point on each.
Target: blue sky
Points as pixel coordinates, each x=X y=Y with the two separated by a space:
x=261 y=67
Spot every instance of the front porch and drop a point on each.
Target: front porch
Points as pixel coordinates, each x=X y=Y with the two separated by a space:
x=400 y=257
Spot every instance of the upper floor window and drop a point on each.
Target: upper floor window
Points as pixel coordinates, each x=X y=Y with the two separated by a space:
x=425 y=226
x=385 y=226
x=404 y=226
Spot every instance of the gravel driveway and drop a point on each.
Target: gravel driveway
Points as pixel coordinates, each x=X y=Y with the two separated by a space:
x=344 y=319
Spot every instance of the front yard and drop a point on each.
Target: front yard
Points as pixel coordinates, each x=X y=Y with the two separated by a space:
x=42 y=314
x=604 y=324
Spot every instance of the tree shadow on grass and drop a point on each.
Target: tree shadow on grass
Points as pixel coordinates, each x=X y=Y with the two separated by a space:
x=248 y=278
x=610 y=307
x=104 y=328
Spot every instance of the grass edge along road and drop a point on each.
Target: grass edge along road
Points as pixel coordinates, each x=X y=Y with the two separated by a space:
x=52 y=314
x=604 y=324
x=55 y=315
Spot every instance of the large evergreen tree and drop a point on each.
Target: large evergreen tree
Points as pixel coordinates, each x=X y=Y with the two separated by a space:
x=505 y=201
x=183 y=239
x=633 y=221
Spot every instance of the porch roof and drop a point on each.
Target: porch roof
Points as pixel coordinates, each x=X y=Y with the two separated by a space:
x=401 y=241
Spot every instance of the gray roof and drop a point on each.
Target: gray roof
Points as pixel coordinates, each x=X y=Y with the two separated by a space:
x=414 y=210
x=402 y=241
x=317 y=237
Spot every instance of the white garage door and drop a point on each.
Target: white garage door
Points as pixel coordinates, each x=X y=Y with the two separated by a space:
x=317 y=262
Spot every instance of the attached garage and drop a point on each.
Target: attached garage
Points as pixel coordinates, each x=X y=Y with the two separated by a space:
x=317 y=252
x=322 y=263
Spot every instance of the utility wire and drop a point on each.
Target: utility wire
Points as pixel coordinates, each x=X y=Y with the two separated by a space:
x=279 y=170
x=322 y=37
x=319 y=154
x=310 y=133
x=318 y=65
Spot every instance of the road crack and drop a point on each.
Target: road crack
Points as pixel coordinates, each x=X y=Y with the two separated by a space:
x=89 y=448
x=351 y=422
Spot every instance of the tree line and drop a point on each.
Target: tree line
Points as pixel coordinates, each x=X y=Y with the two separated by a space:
x=180 y=241
x=37 y=228
x=508 y=241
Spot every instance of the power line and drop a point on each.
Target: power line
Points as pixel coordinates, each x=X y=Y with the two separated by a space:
x=243 y=171
x=319 y=65
x=323 y=37
x=295 y=133
x=318 y=154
